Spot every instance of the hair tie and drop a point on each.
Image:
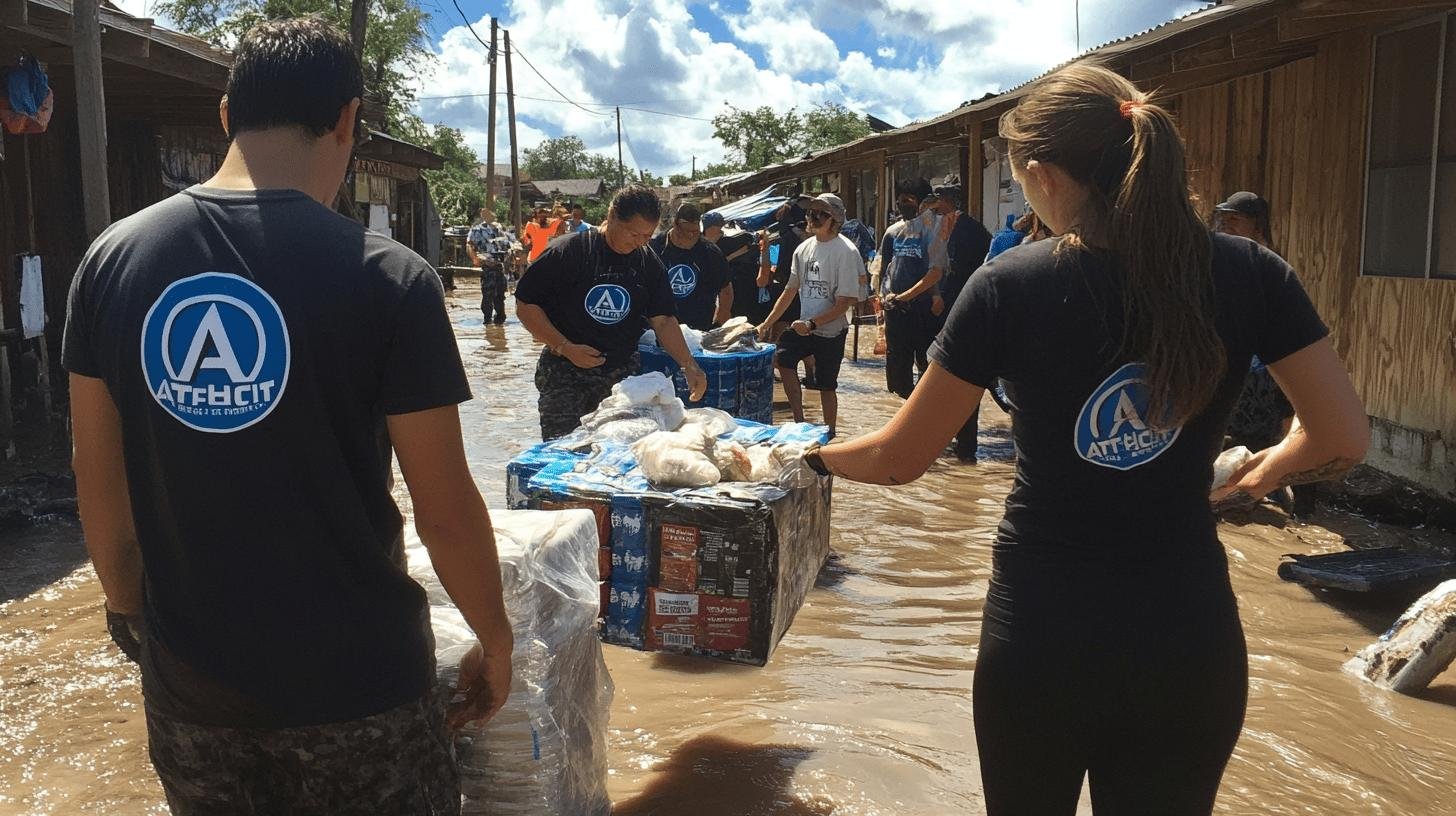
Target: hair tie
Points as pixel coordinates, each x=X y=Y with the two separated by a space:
x=1130 y=105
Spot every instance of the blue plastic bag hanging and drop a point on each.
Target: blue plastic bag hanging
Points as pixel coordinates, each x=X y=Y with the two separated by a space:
x=28 y=86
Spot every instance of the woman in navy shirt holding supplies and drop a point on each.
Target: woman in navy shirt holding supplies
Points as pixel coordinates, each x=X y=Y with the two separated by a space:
x=1111 y=644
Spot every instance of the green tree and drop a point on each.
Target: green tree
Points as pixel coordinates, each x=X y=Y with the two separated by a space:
x=679 y=179
x=760 y=137
x=396 y=45
x=722 y=168
x=831 y=124
x=458 y=192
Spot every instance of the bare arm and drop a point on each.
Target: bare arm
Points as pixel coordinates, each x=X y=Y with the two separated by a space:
x=470 y=250
x=725 y=304
x=780 y=306
x=103 y=496
x=454 y=526
x=905 y=447
x=669 y=336
x=1330 y=435
x=534 y=318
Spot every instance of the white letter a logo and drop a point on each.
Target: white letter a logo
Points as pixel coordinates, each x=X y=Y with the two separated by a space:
x=225 y=359
x=1126 y=413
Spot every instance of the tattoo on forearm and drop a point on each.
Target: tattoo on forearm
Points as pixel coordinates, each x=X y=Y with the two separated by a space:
x=1330 y=470
x=1236 y=499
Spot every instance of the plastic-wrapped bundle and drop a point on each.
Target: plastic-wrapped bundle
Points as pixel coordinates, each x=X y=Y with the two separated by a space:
x=545 y=753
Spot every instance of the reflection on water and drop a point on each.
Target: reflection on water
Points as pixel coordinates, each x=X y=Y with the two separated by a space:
x=864 y=709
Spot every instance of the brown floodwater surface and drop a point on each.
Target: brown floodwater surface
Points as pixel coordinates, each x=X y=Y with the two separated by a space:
x=865 y=708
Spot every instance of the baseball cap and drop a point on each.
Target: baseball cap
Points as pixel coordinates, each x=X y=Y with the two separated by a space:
x=712 y=219
x=836 y=207
x=949 y=187
x=1245 y=203
x=688 y=212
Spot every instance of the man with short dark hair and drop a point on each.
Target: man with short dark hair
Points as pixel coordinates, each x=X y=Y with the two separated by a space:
x=966 y=245
x=588 y=299
x=913 y=257
x=825 y=279
x=696 y=271
x=242 y=360
x=578 y=219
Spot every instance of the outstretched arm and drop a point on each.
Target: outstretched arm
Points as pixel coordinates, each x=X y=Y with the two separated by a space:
x=901 y=451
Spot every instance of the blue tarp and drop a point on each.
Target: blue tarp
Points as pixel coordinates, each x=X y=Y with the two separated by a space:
x=754 y=212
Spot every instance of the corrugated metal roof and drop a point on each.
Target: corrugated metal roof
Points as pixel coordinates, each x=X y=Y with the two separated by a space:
x=1214 y=11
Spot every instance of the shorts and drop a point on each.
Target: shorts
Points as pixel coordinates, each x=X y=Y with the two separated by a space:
x=828 y=354
x=399 y=762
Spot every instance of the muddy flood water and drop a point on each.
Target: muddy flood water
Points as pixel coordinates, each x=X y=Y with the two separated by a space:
x=864 y=710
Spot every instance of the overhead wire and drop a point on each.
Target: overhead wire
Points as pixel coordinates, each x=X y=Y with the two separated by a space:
x=517 y=52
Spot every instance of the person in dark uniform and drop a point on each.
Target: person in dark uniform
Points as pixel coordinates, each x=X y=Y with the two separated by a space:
x=244 y=361
x=740 y=250
x=588 y=298
x=966 y=245
x=791 y=230
x=913 y=254
x=479 y=242
x=696 y=271
x=1110 y=645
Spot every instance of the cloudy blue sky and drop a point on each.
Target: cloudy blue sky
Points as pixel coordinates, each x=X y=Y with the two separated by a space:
x=901 y=60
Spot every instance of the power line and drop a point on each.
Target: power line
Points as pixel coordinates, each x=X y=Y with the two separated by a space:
x=665 y=113
x=518 y=53
x=522 y=55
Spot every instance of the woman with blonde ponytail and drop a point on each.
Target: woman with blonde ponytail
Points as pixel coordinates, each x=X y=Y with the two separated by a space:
x=1111 y=646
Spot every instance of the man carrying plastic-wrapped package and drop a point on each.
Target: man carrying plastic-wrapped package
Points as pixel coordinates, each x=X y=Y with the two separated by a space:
x=589 y=298
x=826 y=278
x=242 y=360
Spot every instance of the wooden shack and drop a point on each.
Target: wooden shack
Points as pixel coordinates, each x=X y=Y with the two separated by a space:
x=390 y=195
x=1342 y=113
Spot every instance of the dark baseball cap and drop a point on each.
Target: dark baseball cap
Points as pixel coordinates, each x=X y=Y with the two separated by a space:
x=949 y=187
x=1245 y=203
x=688 y=212
x=712 y=219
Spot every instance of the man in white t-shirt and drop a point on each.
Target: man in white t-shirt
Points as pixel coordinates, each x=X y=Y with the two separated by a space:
x=826 y=278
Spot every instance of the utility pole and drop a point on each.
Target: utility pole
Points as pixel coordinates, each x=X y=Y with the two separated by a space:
x=490 y=133
x=695 y=168
x=1077 y=13
x=91 y=113
x=515 y=167
x=358 y=20
x=621 y=168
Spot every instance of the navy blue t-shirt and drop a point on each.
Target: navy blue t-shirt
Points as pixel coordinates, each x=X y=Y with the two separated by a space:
x=1093 y=475
x=254 y=342
x=597 y=296
x=696 y=276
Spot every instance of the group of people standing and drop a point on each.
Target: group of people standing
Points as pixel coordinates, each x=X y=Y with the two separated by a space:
x=246 y=364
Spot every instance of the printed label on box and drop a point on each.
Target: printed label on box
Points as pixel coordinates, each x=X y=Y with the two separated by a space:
x=629 y=566
x=675 y=604
x=678 y=574
x=679 y=541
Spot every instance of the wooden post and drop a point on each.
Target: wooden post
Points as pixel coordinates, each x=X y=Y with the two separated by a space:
x=515 y=166
x=490 y=127
x=91 y=114
x=621 y=168
x=358 y=23
x=974 y=178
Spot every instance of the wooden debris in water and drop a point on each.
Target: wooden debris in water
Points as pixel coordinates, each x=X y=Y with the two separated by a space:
x=1420 y=645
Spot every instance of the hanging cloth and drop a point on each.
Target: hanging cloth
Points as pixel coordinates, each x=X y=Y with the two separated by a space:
x=32 y=297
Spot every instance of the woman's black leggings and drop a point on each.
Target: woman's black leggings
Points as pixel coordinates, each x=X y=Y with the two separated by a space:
x=1142 y=691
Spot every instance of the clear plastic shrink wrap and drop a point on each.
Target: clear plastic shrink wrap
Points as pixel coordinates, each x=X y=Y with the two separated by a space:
x=544 y=754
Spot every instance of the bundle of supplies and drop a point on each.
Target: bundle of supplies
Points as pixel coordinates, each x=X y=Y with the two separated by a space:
x=713 y=528
x=739 y=369
x=545 y=753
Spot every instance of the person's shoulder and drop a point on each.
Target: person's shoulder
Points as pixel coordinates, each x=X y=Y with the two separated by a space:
x=389 y=258
x=709 y=248
x=1027 y=263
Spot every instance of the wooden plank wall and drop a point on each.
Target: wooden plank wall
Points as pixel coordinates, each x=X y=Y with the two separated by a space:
x=1297 y=135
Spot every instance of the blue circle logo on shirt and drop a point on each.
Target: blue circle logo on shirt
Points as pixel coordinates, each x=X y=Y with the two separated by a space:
x=215 y=352
x=1112 y=429
x=608 y=303
x=684 y=280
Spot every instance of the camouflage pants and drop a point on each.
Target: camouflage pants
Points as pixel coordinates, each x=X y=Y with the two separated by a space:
x=568 y=392
x=493 y=295
x=396 y=763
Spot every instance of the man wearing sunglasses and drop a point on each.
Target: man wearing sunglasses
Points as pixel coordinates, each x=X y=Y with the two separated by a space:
x=825 y=276
x=244 y=360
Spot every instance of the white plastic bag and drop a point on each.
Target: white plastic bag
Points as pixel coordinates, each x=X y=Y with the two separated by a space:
x=1227 y=464
x=716 y=422
x=677 y=458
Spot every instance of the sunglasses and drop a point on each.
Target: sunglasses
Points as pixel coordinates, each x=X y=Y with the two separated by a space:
x=816 y=215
